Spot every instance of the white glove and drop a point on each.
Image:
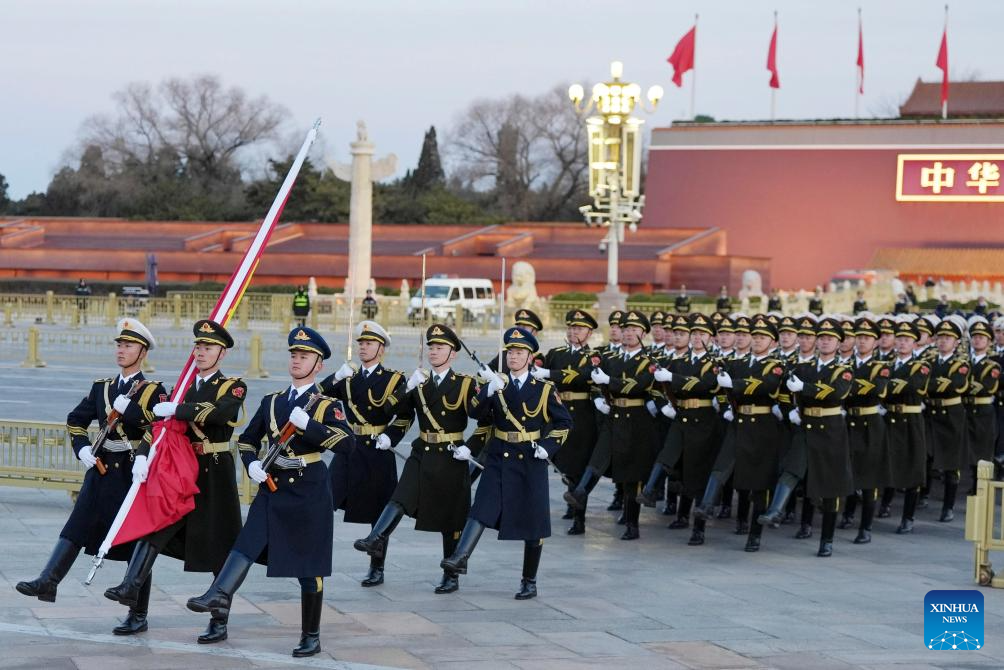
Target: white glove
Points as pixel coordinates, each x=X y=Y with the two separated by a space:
x=663 y=375
x=776 y=411
x=652 y=409
x=668 y=411
x=299 y=418
x=382 y=442
x=140 y=468
x=495 y=384
x=728 y=415
x=540 y=452
x=462 y=453
x=714 y=403
x=165 y=409
x=795 y=417
x=601 y=405
x=600 y=377
x=121 y=404
x=416 y=379
x=540 y=373
x=86 y=456
x=843 y=412
x=256 y=473
x=923 y=407
x=344 y=372
x=724 y=380
x=795 y=384
x=882 y=410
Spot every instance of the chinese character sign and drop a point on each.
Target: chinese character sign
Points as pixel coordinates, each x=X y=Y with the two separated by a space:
x=949 y=178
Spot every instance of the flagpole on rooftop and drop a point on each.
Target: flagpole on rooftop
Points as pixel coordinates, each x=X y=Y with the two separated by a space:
x=693 y=77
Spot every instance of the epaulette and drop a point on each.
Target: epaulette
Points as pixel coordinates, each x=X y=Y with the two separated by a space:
x=102 y=381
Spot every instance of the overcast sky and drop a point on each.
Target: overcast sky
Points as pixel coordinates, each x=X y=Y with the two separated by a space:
x=403 y=66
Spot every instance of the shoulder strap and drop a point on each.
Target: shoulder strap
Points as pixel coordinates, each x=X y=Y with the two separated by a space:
x=425 y=410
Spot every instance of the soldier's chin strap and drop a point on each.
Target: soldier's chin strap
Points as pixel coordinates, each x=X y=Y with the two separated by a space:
x=142 y=350
x=313 y=369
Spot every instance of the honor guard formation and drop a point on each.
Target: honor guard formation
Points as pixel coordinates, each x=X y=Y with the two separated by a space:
x=705 y=414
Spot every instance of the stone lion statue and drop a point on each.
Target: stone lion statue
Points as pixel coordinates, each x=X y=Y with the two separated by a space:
x=752 y=285
x=522 y=292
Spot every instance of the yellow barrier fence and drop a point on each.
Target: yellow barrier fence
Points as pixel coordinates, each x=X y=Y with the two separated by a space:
x=984 y=526
x=38 y=455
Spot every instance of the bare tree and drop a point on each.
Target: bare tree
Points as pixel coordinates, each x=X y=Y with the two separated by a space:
x=530 y=152
x=198 y=120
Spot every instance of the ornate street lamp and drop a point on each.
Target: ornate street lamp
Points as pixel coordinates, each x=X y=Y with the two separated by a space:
x=615 y=142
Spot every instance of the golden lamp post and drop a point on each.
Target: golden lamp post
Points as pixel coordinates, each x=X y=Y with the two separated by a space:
x=615 y=142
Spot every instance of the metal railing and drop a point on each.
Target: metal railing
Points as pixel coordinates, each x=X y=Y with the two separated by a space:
x=984 y=527
x=37 y=454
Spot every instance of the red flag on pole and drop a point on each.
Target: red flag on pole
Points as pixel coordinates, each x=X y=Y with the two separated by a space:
x=775 y=82
x=942 y=63
x=682 y=58
x=861 y=57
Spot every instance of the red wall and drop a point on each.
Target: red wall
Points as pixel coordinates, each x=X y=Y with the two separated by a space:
x=813 y=211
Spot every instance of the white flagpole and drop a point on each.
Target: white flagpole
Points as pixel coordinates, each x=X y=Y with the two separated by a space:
x=693 y=78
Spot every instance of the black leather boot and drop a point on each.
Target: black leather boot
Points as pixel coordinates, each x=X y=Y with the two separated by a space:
x=682 y=514
x=139 y=569
x=375 y=544
x=649 y=495
x=697 y=535
x=805 y=529
x=135 y=621
x=826 y=537
x=531 y=561
x=578 y=526
x=909 y=509
x=727 y=491
x=753 y=539
x=218 y=597
x=632 y=510
x=617 y=504
x=782 y=492
x=59 y=563
x=457 y=563
x=951 y=489
x=374 y=577
x=450 y=581
x=578 y=497
x=310 y=624
x=569 y=513
x=847 y=518
x=867 y=513
x=712 y=495
x=885 y=507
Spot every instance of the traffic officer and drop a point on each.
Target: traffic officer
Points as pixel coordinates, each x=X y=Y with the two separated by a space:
x=301 y=306
x=127 y=401
x=435 y=485
x=529 y=425
x=211 y=408
x=569 y=368
x=981 y=417
x=363 y=480
x=821 y=389
x=948 y=384
x=866 y=427
x=906 y=437
x=289 y=528
x=627 y=381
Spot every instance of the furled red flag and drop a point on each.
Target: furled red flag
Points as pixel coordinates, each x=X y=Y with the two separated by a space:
x=683 y=56
x=861 y=58
x=775 y=82
x=942 y=63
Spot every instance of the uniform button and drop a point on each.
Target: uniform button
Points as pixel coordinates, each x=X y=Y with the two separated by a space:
x=520 y=456
x=206 y=470
x=617 y=416
x=116 y=465
x=522 y=418
x=808 y=426
x=427 y=448
x=290 y=480
x=443 y=412
x=440 y=448
x=852 y=424
x=684 y=419
x=740 y=420
x=505 y=454
x=753 y=420
x=892 y=421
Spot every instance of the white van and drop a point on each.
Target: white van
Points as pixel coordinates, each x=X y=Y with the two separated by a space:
x=443 y=294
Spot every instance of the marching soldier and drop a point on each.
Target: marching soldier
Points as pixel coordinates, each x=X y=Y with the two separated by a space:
x=866 y=428
x=820 y=394
x=755 y=449
x=696 y=433
x=724 y=303
x=363 y=480
x=289 y=529
x=997 y=354
x=627 y=381
x=845 y=350
x=512 y=494
x=905 y=433
x=948 y=383
x=131 y=397
x=984 y=384
x=887 y=339
x=201 y=538
x=657 y=322
x=569 y=367
x=599 y=462
x=435 y=486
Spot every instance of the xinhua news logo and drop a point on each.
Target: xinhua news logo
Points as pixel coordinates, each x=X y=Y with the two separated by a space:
x=953 y=620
